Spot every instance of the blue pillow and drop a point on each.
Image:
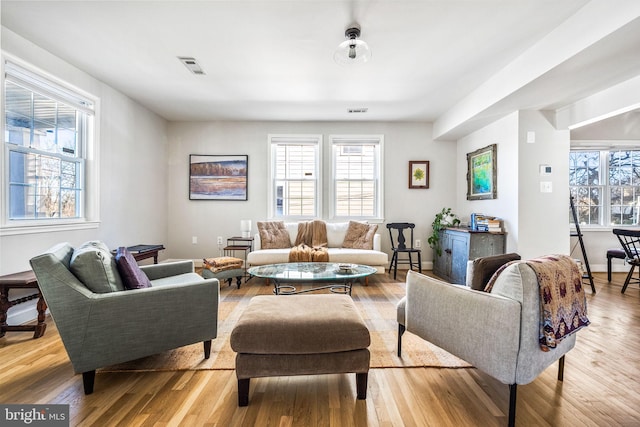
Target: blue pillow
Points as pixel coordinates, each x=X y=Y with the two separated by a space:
x=132 y=276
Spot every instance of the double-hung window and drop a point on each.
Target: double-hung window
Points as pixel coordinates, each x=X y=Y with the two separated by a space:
x=46 y=131
x=605 y=185
x=356 y=191
x=295 y=176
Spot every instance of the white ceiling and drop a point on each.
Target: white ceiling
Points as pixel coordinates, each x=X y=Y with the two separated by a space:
x=273 y=59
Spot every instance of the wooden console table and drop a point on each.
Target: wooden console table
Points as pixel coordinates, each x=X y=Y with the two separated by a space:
x=141 y=252
x=22 y=280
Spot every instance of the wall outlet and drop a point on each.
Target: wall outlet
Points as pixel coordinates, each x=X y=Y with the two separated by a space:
x=194 y=240
x=219 y=240
x=418 y=243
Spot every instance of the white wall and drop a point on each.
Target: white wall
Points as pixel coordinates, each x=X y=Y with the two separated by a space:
x=133 y=179
x=504 y=133
x=536 y=223
x=208 y=219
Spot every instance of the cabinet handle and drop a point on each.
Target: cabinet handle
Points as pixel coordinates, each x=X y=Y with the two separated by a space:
x=448 y=251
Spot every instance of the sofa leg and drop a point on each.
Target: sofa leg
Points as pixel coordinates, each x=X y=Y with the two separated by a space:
x=401 y=330
x=207 y=348
x=561 y=369
x=243 y=391
x=512 y=404
x=361 y=385
x=88 y=379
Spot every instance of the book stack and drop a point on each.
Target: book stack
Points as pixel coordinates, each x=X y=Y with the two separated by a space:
x=489 y=223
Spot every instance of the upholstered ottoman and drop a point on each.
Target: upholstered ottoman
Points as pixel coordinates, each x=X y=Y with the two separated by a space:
x=223 y=268
x=300 y=335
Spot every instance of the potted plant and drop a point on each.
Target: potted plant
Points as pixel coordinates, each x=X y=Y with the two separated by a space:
x=445 y=218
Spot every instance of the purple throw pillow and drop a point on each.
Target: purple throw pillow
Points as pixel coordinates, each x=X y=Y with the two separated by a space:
x=132 y=276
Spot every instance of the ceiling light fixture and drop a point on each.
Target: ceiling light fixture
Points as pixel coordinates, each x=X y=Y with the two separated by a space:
x=352 y=50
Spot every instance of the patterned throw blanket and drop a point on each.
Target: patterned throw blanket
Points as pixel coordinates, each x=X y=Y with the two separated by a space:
x=563 y=305
x=311 y=243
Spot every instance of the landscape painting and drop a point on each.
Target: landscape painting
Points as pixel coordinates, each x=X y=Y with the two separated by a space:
x=218 y=177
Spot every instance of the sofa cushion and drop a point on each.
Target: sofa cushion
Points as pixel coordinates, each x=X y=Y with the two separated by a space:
x=179 y=279
x=485 y=267
x=335 y=233
x=94 y=265
x=507 y=281
x=132 y=276
x=273 y=235
x=359 y=235
x=339 y=255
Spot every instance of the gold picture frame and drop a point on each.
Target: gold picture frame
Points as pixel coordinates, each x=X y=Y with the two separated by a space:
x=482 y=173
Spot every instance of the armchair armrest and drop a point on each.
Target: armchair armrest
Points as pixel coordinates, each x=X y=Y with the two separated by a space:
x=167 y=269
x=467 y=323
x=122 y=326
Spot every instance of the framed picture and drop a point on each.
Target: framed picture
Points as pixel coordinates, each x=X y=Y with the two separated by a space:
x=218 y=177
x=482 y=173
x=418 y=174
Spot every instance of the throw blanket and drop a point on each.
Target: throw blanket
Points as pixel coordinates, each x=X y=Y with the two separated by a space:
x=311 y=243
x=305 y=253
x=563 y=305
x=222 y=263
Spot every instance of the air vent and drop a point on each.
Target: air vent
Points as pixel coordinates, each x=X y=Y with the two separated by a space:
x=192 y=65
x=357 y=110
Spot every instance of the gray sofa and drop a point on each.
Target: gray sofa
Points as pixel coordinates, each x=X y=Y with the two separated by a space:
x=101 y=329
x=335 y=236
x=496 y=332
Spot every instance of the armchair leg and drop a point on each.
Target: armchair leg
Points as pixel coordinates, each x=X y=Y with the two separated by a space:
x=561 y=369
x=401 y=329
x=512 y=404
x=88 y=379
x=207 y=349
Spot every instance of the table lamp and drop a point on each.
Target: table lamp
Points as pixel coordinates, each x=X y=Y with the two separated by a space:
x=245 y=227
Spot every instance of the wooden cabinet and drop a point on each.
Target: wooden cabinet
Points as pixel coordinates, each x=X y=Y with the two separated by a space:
x=460 y=245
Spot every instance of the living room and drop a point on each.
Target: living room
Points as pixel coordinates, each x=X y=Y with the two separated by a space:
x=140 y=167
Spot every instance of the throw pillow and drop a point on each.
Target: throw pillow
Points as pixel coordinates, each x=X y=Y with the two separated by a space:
x=132 y=276
x=273 y=235
x=94 y=265
x=485 y=267
x=359 y=235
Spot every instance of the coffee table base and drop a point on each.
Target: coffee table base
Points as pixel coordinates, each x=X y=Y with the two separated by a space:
x=279 y=289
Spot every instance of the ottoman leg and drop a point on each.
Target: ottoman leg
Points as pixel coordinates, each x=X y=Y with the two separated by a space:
x=361 y=385
x=243 y=391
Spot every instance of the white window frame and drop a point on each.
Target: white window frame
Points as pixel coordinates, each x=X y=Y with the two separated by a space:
x=606 y=210
x=304 y=139
x=378 y=141
x=51 y=86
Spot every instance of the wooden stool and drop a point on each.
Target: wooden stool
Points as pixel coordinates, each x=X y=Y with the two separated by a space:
x=22 y=280
x=614 y=253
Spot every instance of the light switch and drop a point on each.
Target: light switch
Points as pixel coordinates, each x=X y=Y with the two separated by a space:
x=546 y=187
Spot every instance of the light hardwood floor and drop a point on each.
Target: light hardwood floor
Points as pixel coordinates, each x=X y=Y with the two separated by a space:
x=601 y=386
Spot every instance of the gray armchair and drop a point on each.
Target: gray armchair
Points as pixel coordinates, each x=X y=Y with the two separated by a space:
x=101 y=329
x=496 y=332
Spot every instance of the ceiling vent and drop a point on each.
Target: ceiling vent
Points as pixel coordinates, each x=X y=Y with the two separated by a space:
x=357 y=110
x=192 y=65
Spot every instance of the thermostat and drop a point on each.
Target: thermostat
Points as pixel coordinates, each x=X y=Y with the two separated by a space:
x=545 y=170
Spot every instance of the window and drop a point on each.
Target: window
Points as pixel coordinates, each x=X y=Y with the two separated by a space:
x=357 y=187
x=46 y=129
x=605 y=185
x=295 y=176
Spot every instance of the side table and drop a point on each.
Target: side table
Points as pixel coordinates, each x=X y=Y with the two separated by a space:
x=244 y=244
x=22 y=280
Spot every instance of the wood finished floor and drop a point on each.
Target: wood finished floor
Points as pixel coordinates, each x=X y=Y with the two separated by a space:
x=601 y=386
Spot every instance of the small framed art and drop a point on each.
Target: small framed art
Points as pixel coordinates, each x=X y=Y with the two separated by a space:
x=482 y=173
x=418 y=174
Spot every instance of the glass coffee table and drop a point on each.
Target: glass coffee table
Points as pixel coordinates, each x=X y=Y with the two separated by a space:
x=338 y=276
